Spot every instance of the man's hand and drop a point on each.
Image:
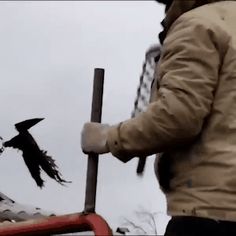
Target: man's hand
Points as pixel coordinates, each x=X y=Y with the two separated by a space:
x=94 y=138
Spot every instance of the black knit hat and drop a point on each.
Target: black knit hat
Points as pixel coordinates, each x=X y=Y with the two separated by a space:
x=166 y=2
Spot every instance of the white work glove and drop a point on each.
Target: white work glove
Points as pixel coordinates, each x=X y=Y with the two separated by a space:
x=94 y=138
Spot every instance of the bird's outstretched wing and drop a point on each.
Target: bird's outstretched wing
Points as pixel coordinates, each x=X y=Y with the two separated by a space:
x=27 y=124
x=34 y=168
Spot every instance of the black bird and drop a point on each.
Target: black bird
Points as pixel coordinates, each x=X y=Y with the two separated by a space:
x=35 y=158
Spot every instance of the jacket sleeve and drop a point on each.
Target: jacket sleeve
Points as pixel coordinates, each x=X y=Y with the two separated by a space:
x=188 y=72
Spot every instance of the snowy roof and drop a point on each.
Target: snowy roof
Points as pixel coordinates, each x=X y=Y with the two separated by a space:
x=14 y=212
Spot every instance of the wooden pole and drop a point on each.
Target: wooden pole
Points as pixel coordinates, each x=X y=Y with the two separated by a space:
x=92 y=167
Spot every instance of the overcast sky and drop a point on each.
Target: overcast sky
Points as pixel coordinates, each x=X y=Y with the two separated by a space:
x=48 y=52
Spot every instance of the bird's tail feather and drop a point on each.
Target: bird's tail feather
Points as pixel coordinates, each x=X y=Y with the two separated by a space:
x=50 y=167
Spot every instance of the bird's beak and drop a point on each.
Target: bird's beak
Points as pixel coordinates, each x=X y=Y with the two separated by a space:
x=2 y=147
x=4 y=144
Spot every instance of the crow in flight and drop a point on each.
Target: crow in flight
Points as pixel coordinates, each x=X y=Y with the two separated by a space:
x=35 y=158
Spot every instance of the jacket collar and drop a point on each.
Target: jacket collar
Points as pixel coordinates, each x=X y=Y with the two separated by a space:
x=177 y=8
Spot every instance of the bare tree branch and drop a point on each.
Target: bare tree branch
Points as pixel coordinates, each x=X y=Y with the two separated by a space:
x=135 y=226
x=146 y=223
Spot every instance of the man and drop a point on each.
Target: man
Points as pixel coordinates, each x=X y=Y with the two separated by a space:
x=192 y=119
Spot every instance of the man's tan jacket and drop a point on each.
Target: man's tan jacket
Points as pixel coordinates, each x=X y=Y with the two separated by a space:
x=192 y=117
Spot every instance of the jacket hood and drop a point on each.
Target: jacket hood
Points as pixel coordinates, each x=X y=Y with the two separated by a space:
x=179 y=7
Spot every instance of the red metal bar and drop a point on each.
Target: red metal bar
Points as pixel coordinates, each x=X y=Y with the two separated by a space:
x=58 y=225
